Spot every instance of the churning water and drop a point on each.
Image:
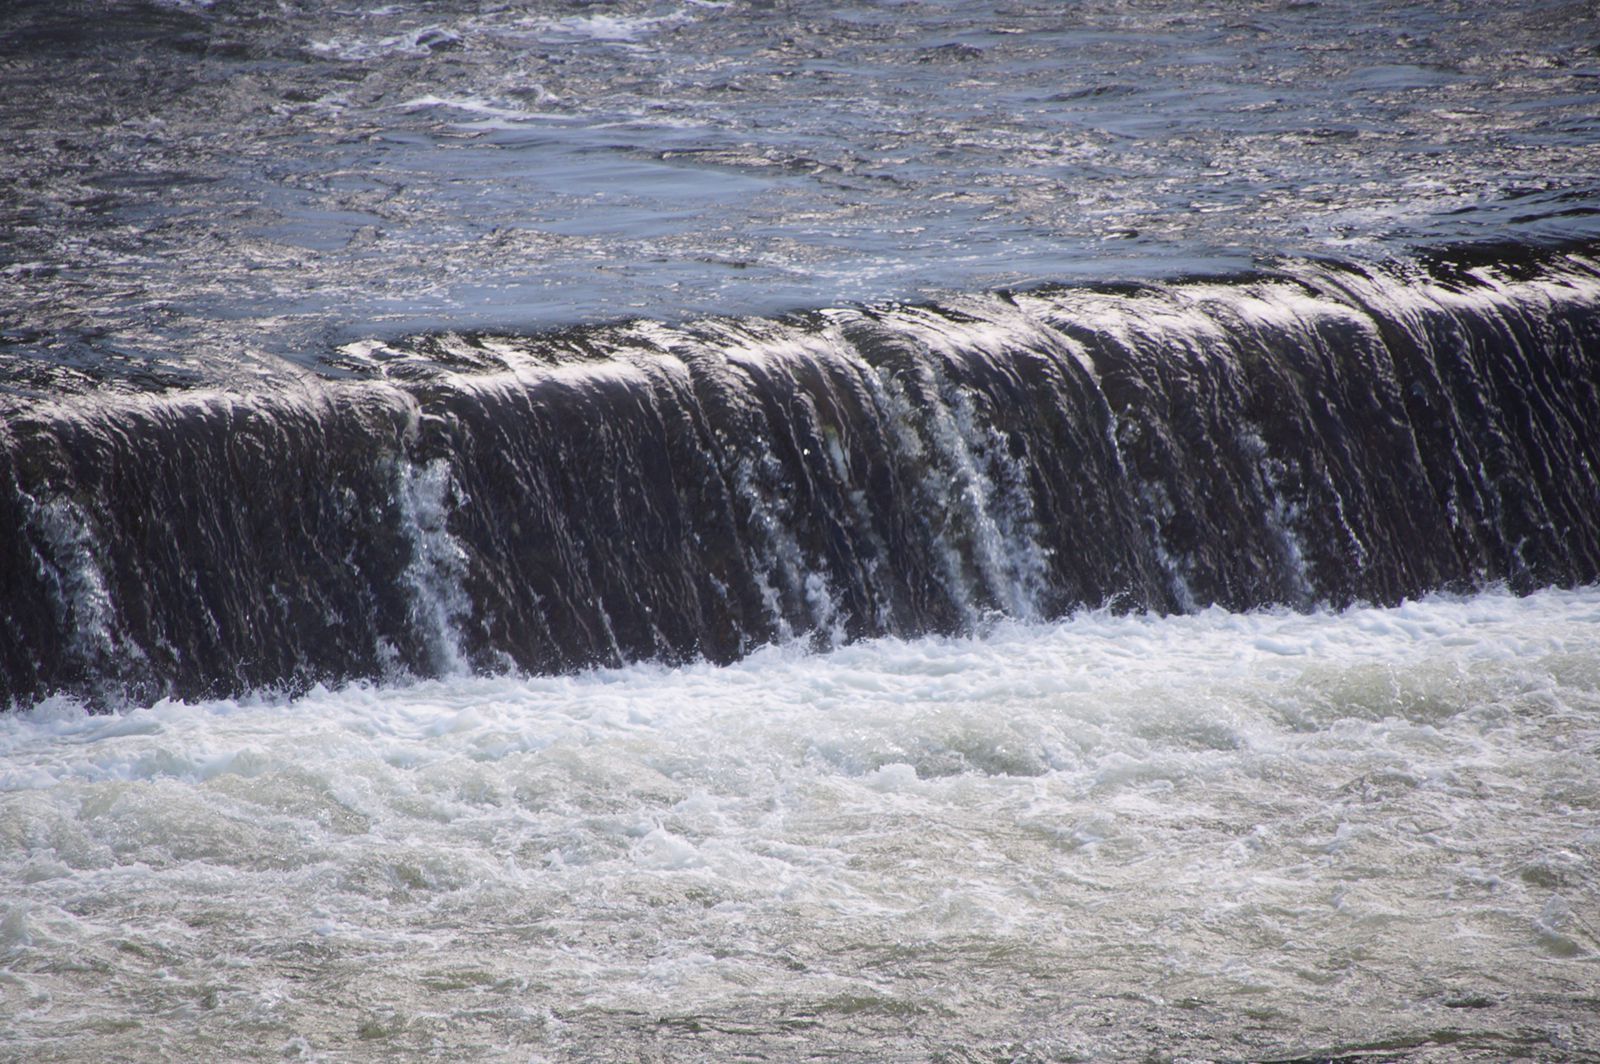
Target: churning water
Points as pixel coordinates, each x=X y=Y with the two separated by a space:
x=492 y=566
x=1235 y=836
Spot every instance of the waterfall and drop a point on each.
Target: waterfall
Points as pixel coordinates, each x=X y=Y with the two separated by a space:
x=1322 y=434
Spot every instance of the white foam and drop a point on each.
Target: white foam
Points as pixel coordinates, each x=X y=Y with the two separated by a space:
x=607 y=28
x=493 y=114
x=1299 y=812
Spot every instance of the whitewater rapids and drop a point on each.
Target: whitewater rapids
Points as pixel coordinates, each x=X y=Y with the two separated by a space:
x=1263 y=835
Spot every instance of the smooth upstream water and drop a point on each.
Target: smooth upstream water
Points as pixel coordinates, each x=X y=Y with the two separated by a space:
x=189 y=187
x=1221 y=836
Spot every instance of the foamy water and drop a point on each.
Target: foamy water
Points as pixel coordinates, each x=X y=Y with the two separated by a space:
x=1216 y=836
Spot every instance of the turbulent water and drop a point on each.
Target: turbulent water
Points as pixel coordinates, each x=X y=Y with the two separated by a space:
x=783 y=530
x=1220 y=836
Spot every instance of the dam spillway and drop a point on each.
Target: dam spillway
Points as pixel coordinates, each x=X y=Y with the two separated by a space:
x=1320 y=435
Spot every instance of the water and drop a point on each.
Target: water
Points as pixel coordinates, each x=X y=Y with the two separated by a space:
x=773 y=529
x=1221 y=836
x=197 y=188
x=676 y=493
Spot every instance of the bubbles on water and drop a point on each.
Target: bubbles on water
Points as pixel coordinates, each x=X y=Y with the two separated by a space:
x=1310 y=814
